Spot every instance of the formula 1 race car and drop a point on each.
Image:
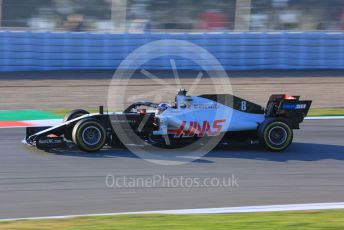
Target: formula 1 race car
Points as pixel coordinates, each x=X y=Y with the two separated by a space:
x=188 y=120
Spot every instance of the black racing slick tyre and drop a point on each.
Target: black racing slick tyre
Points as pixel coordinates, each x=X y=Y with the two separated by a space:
x=74 y=114
x=89 y=135
x=275 y=134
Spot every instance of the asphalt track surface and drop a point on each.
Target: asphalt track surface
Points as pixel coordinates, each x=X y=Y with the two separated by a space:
x=36 y=183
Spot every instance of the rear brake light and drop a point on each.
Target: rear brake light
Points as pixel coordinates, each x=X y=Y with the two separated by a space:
x=287 y=97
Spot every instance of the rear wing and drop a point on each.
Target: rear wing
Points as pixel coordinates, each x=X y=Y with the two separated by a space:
x=289 y=107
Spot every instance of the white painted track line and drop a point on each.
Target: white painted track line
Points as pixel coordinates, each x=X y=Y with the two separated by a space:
x=325 y=118
x=245 y=209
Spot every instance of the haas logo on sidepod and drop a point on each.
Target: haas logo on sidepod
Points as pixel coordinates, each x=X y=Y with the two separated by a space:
x=198 y=129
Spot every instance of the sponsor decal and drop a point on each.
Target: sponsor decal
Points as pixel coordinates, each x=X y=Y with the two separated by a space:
x=301 y=106
x=289 y=106
x=205 y=106
x=194 y=128
x=50 y=141
x=294 y=106
x=174 y=110
x=123 y=121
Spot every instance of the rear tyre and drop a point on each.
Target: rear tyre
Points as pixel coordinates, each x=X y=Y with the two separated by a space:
x=275 y=134
x=89 y=134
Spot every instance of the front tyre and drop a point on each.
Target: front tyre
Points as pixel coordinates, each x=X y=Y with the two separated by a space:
x=275 y=134
x=89 y=135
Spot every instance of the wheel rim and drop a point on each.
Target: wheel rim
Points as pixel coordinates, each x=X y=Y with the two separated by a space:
x=91 y=135
x=277 y=135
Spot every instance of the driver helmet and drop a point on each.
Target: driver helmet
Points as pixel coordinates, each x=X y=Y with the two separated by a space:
x=164 y=106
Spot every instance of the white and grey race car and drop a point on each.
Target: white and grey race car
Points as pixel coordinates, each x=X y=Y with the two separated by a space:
x=188 y=120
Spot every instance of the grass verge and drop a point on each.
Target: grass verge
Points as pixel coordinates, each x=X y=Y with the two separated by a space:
x=326 y=112
x=20 y=115
x=325 y=219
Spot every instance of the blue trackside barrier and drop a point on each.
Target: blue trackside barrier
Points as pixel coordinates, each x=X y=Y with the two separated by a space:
x=28 y=51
